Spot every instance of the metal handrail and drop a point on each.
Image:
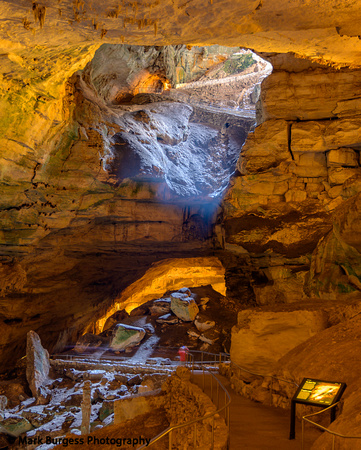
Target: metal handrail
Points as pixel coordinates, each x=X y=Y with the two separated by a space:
x=194 y=422
x=334 y=433
x=262 y=375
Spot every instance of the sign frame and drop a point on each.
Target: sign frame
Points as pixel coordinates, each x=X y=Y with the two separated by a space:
x=336 y=398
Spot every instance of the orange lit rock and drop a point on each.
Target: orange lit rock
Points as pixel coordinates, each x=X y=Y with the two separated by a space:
x=267 y=147
x=346 y=157
x=262 y=337
x=338 y=175
x=169 y=274
x=325 y=135
x=300 y=89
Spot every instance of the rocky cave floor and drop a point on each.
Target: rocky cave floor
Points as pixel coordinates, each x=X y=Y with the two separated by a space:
x=114 y=374
x=142 y=368
x=208 y=331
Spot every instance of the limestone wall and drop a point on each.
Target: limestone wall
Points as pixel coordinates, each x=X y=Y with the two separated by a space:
x=293 y=203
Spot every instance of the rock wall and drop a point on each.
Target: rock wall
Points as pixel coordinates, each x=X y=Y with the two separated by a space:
x=292 y=204
x=95 y=190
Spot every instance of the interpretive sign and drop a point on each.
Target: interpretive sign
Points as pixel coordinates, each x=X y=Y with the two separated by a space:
x=319 y=392
x=316 y=393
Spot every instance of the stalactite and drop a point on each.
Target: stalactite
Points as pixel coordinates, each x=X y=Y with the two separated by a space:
x=95 y=24
x=26 y=23
x=135 y=8
x=39 y=13
x=155 y=28
x=79 y=5
x=103 y=33
x=115 y=12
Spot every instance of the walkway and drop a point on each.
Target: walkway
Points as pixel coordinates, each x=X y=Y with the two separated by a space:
x=255 y=426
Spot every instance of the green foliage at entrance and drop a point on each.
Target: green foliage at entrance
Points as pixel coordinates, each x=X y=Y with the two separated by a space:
x=237 y=64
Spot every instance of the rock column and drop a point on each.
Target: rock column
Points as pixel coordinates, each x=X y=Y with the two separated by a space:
x=86 y=408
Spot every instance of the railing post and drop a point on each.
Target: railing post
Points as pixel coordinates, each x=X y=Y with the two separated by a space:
x=170 y=440
x=211 y=388
x=228 y=427
x=220 y=357
x=204 y=381
x=195 y=435
x=225 y=401
x=217 y=395
x=271 y=390
x=333 y=442
x=303 y=431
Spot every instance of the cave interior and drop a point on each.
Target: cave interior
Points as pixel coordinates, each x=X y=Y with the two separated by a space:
x=191 y=181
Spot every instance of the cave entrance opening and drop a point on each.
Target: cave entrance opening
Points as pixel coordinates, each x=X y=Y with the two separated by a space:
x=180 y=114
x=171 y=121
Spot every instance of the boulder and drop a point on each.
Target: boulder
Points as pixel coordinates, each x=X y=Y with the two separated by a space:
x=106 y=410
x=335 y=191
x=94 y=375
x=3 y=402
x=310 y=165
x=338 y=175
x=126 y=336
x=295 y=195
x=168 y=318
x=185 y=290
x=342 y=157
x=325 y=135
x=15 y=425
x=210 y=336
x=37 y=363
x=261 y=338
x=193 y=334
x=133 y=381
x=204 y=323
x=131 y=407
x=265 y=148
x=160 y=306
x=183 y=306
x=333 y=204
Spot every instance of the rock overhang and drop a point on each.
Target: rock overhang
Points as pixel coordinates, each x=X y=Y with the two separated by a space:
x=321 y=30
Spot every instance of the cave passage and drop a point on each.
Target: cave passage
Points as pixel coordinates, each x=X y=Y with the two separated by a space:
x=182 y=115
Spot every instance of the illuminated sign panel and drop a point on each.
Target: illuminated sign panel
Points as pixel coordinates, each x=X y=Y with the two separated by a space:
x=319 y=392
x=316 y=393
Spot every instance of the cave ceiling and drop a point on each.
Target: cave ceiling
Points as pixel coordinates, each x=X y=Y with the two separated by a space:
x=322 y=30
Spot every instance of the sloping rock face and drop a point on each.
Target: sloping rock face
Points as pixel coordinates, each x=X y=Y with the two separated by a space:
x=261 y=338
x=293 y=204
